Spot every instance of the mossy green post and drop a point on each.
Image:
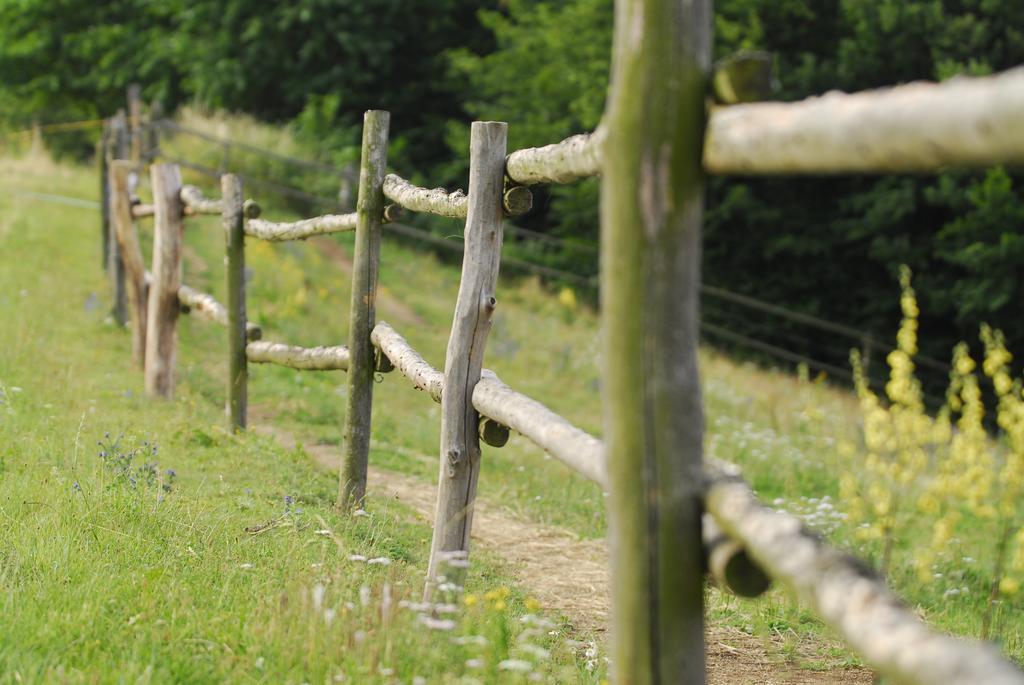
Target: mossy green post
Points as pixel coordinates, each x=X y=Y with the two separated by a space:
x=651 y=210
x=362 y=313
x=234 y=236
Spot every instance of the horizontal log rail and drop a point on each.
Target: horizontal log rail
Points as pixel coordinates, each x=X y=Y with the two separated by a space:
x=437 y=201
x=847 y=595
x=407 y=360
x=197 y=203
x=208 y=307
x=574 y=158
x=575 y=448
x=728 y=563
x=307 y=358
x=914 y=128
x=918 y=127
x=300 y=230
x=144 y=210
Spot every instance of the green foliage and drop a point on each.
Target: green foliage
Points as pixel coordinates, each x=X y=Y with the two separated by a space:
x=549 y=81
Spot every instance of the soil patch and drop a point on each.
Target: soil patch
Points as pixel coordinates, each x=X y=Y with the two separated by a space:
x=540 y=554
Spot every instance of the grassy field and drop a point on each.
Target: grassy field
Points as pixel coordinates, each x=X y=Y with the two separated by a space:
x=242 y=570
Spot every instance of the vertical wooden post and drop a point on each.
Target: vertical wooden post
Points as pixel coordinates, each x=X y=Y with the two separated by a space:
x=152 y=137
x=131 y=254
x=168 y=233
x=104 y=177
x=460 y=441
x=234 y=235
x=362 y=313
x=118 y=149
x=135 y=123
x=651 y=212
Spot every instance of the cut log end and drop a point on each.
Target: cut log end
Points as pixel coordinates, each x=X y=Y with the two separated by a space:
x=518 y=200
x=392 y=213
x=493 y=433
x=252 y=209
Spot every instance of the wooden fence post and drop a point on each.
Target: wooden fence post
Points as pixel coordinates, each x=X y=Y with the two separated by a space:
x=131 y=254
x=117 y=149
x=135 y=123
x=234 y=235
x=362 y=313
x=651 y=213
x=152 y=137
x=102 y=152
x=460 y=441
x=168 y=233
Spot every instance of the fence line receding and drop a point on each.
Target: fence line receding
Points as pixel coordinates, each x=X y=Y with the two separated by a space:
x=672 y=516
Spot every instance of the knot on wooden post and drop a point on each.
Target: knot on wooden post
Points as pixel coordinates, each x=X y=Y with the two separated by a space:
x=454 y=459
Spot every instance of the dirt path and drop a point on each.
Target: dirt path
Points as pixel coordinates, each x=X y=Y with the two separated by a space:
x=539 y=555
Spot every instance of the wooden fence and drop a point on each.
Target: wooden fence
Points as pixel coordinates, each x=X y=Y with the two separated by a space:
x=672 y=514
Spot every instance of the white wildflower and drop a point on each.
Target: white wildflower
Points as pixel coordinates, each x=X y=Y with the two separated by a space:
x=437 y=623
x=515 y=665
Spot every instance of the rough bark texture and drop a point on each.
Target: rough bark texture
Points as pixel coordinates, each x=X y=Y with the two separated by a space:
x=437 y=201
x=460 y=442
x=208 y=307
x=651 y=206
x=131 y=254
x=168 y=234
x=234 y=265
x=199 y=203
x=300 y=230
x=292 y=356
x=849 y=597
x=363 y=309
x=408 y=361
x=919 y=127
x=575 y=448
x=574 y=158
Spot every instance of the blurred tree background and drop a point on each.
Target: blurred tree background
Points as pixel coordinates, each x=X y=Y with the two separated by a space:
x=830 y=247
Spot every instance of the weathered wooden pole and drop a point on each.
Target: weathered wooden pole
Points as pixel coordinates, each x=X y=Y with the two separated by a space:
x=152 y=137
x=168 y=234
x=460 y=440
x=651 y=212
x=102 y=156
x=234 y=236
x=362 y=312
x=135 y=123
x=131 y=254
x=118 y=149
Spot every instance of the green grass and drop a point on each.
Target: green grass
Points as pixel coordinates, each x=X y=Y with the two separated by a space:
x=110 y=584
x=101 y=581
